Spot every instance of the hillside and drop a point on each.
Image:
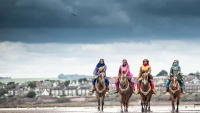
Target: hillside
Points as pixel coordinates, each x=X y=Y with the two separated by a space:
x=73 y=76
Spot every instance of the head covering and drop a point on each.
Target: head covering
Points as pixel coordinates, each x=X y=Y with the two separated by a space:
x=147 y=62
x=99 y=64
x=123 y=62
x=129 y=73
x=177 y=63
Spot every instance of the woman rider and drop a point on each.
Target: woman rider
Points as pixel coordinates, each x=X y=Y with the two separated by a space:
x=100 y=67
x=145 y=68
x=124 y=68
x=180 y=80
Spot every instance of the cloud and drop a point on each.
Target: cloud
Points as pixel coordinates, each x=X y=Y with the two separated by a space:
x=58 y=14
x=43 y=38
x=47 y=21
x=50 y=59
x=96 y=13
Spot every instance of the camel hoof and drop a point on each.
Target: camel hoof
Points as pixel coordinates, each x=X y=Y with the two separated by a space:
x=149 y=110
x=121 y=111
x=142 y=110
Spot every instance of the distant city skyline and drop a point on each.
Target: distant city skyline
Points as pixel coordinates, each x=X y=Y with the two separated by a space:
x=40 y=39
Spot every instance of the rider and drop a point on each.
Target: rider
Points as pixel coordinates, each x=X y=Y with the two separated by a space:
x=100 y=67
x=124 y=68
x=145 y=68
x=180 y=80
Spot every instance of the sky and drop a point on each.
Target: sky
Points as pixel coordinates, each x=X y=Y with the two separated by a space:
x=44 y=38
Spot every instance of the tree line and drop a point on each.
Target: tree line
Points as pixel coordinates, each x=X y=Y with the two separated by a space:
x=165 y=73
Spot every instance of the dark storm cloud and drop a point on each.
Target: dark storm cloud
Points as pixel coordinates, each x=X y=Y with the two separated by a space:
x=57 y=13
x=96 y=20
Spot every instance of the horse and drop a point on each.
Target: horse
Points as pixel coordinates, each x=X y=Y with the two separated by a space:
x=175 y=89
x=100 y=90
x=145 y=93
x=125 y=92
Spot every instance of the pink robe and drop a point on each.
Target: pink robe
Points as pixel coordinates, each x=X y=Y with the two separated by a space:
x=126 y=70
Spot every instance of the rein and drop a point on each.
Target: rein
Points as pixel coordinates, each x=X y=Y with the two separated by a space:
x=145 y=93
x=174 y=91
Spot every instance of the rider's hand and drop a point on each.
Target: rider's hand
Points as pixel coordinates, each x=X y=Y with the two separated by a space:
x=145 y=73
x=94 y=76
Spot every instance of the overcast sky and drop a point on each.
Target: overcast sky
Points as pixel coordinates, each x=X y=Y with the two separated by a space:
x=43 y=38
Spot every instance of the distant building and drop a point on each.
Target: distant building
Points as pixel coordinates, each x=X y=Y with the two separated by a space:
x=74 y=83
x=160 y=82
x=83 y=90
x=46 y=84
x=57 y=91
x=112 y=81
x=188 y=78
x=38 y=84
x=195 y=81
x=45 y=93
x=71 y=91
x=2 y=85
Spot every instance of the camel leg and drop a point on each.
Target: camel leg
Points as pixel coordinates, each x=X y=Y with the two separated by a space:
x=149 y=100
x=124 y=106
x=127 y=105
x=142 y=103
x=178 y=100
x=102 y=102
x=145 y=106
x=127 y=102
x=121 y=108
x=124 y=103
x=142 y=109
x=149 y=109
x=121 y=101
x=172 y=99
x=98 y=104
